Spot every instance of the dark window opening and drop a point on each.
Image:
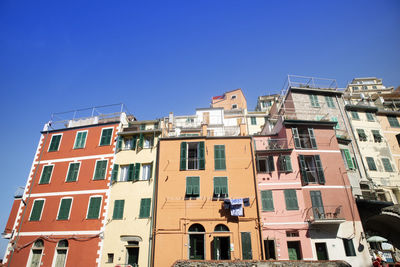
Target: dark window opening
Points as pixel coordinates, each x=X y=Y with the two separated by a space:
x=269 y=246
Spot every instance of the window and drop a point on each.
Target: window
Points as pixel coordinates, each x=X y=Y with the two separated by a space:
x=145 y=208
x=398 y=139
x=219 y=157
x=253 y=120
x=311 y=169
x=142 y=127
x=317 y=204
x=73 y=171
x=354 y=115
x=393 y=121
x=234 y=106
x=377 y=136
x=118 y=213
x=100 y=170
x=156 y=125
x=233 y=97
x=364 y=87
x=46 y=174
x=37 y=209
x=265 y=164
x=146 y=171
x=192 y=156
x=220 y=187
x=374 y=87
x=196 y=242
x=361 y=135
x=293 y=233
x=55 y=142
x=80 y=139
x=334 y=119
x=128 y=143
x=126 y=173
x=355 y=88
x=192 y=186
x=314 y=101
x=110 y=257
x=267 y=200
x=347 y=159
x=148 y=142
x=349 y=247
x=387 y=165
x=285 y=163
x=61 y=253
x=291 y=199
x=36 y=253
x=371 y=163
x=65 y=208
x=370 y=117
x=329 y=101
x=106 y=135
x=94 y=208
x=304 y=138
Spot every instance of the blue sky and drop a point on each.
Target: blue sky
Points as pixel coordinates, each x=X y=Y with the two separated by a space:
x=158 y=57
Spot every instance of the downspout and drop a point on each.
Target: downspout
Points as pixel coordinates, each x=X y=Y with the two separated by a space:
x=256 y=195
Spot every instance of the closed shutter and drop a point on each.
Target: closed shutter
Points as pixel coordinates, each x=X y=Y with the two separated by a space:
x=224 y=186
x=73 y=172
x=65 y=206
x=219 y=157
x=320 y=169
x=201 y=156
x=246 y=246
x=131 y=172
x=55 y=142
x=217 y=186
x=296 y=138
x=371 y=164
x=291 y=199
x=189 y=186
x=348 y=159
x=144 y=208
x=183 y=156
x=303 y=170
x=46 y=174
x=393 y=121
x=94 y=208
x=118 y=209
x=114 y=173
x=137 y=172
x=288 y=163
x=100 y=171
x=312 y=138
x=36 y=210
x=387 y=165
x=267 y=200
x=119 y=143
x=106 y=137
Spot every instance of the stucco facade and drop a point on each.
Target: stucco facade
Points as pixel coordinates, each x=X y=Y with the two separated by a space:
x=234 y=99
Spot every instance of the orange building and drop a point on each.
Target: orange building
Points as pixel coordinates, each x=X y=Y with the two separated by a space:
x=206 y=206
x=230 y=100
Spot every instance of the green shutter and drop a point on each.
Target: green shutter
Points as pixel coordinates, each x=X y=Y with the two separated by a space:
x=100 y=171
x=393 y=121
x=80 y=140
x=145 y=208
x=201 y=156
x=348 y=159
x=253 y=120
x=73 y=172
x=151 y=170
x=270 y=164
x=55 y=142
x=106 y=135
x=267 y=200
x=94 y=208
x=131 y=172
x=354 y=115
x=142 y=127
x=285 y=163
x=370 y=117
x=36 y=210
x=371 y=164
x=329 y=101
x=137 y=172
x=183 y=156
x=219 y=157
x=317 y=204
x=303 y=170
x=114 y=173
x=46 y=174
x=246 y=246
x=217 y=186
x=118 y=213
x=224 y=186
x=320 y=169
x=141 y=140
x=134 y=140
x=314 y=100
x=387 y=165
x=291 y=199
x=296 y=138
x=193 y=186
x=312 y=138
x=334 y=119
x=119 y=143
x=65 y=207
x=189 y=186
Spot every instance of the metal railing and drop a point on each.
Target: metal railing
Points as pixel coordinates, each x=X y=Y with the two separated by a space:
x=325 y=213
x=271 y=144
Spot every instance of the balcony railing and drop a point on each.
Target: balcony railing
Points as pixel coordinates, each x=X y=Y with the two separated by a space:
x=271 y=144
x=325 y=215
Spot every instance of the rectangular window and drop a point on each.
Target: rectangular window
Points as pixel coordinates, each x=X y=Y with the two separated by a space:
x=314 y=100
x=285 y=163
x=219 y=157
x=291 y=199
x=349 y=247
x=146 y=171
x=118 y=213
x=370 y=117
x=334 y=119
x=148 y=141
x=123 y=173
x=387 y=165
x=192 y=186
x=46 y=174
x=221 y=187
x=311 y=169
x=371 y=163
x=145 y=208
x=361 y=135
x=304 y=138
x=265 y=164
x=80 y=139
x=128 y=143
x=192 y=156
x=267 y=200
x=64 y=210
x=100 y=170
x=73 y=171
x=393 y=121
x=347 y=159
x=329 y=101
x=377 y=136
x=94 y=208
x=55 y=142
x=253 y=120
x=355 y=88
x=106 y=135
x=142 y=127
x=246 y=246
x=37 y=208
x=354 y=115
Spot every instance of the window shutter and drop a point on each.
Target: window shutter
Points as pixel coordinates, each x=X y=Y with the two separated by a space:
x=219 y=157
x=348 y=159
x=189 y=186
x=288 y=163
x=217 y=186
x=94 y=208
x=119 y=143
x=78 y=140
x=118 y=209
x=291 y=199
x=371 y=164
x=144 y=208
x=271 y=165
x=141 y=138
x=151 y=170
x=334 y=119
x=46 y=174
x=316 y=202
x=224 y=186
x=137 y=172
x=183 y=156
x=312 y=138
x=36 y=210
x=296 y=138
x=73 y=172
x=131 y=172
x=152 y=141
x=267 y=200
x=320 y=170
x=134 y=138
x=196 y=185
x=246 y=246
x=201 y=156
x=64 y=209
x=114 y=173
x=387 y=165
x=303 y=170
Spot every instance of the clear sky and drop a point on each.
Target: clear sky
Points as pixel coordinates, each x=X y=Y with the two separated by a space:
x=163 y=56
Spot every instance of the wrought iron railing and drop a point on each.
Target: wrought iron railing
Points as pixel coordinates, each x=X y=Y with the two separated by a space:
x=325 y=213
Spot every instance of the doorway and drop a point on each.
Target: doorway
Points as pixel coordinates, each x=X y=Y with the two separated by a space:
x=269 y=246
x=221 y=248
x=322 y=252
x=196 y=251
x=294 y=250
x=133 y=255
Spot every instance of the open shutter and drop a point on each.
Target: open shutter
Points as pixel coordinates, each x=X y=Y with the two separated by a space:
x=312 y=138
x=267 y=201
x=303 y=170
x=119 y=143
x=137 y=172
x=350 y=164
x=217 y=186
x=201 y=156
x=134 y=140
x=287 y=163
x=131 y=172
x=320 y=170
x=114 y=173
x=296 y=138
x=183 y=156
x=151 y=170
x=271 y=165
x=141 y=140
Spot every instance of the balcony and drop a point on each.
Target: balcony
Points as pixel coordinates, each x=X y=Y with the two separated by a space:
x=325 y=215
x=274 y=144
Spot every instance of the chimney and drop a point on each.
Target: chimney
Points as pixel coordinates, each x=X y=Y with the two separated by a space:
x=243 y=128
x=204 y=129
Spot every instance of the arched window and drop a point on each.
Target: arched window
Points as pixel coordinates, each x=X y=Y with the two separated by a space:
x=36 y=253
x=196 y=241
x=197 y=228
x=61 y=253
x=221 y=228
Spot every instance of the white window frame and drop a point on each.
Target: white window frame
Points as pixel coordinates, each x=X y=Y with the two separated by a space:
x=123 y=173
x=41 y=212
x=51 y=175
x=87 y=210
x=76 y=136
x=112 y=134
x=55 y=253
x=69 y=166
x=94 y=170
x=126 y=146
x=70 y=208
x=29 y=263
x=143 y=178
x=58 y=149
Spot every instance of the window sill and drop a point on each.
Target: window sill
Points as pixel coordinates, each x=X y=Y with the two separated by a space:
x=92 y=218
x=98 y=179
x=192 y=197
x=71 y=181
x=78 y=148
